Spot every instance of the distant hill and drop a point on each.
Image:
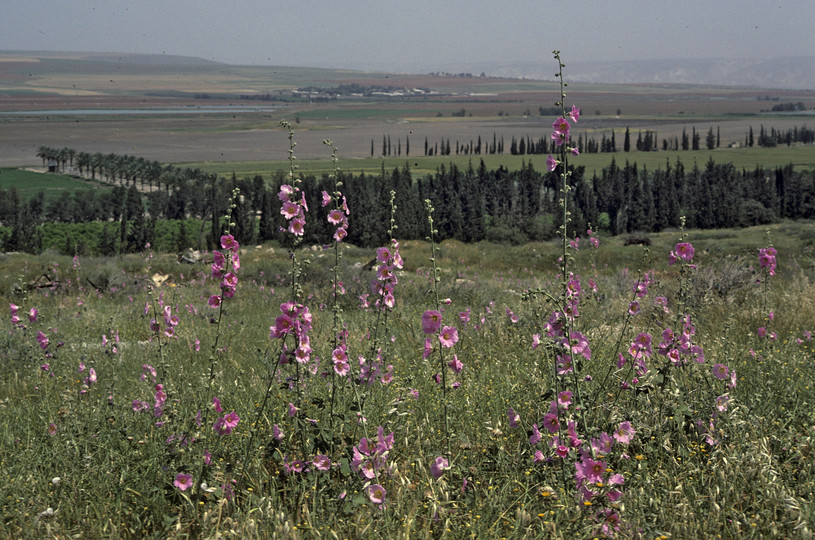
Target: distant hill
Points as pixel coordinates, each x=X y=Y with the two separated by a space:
x=797 y=73
x=788 y=72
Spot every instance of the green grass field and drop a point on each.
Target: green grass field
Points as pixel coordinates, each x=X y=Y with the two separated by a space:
x=55 y=186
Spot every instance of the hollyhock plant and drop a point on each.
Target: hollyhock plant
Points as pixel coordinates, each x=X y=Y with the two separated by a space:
x=431 y=321
x=439 y=465
x=376 y=493
x=448 y=336
x=684 y=251
x=183 y=481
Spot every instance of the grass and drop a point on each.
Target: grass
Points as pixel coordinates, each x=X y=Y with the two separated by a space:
x=29 y=183
x=105 y=469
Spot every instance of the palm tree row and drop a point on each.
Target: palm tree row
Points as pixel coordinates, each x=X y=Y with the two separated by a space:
x=122 y=169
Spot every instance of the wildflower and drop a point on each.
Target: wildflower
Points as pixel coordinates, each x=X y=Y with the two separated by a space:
x=551 y=422
x=684 y=251
x=336 y=216
x=561 y=127
x=624 y=433
x=574 y=114
x=428 y=348
x=551 y=163
x=43 y=340
x=455 y=364
x=376 y=493
x=448 y=336
x=536 y=435
x=579 y=344
x=634 y=308
x=290 y=210
x=183 y=481
x=214 y=301
x=766 y=259
x=431 y=321
x=326 y=199
x=321 y=462
x=514 y=418
x=277 y=433
x=536 y=341
x=564 y=399
x=32 y=314
x=52 y=429
x=297 y=226
x=439 y=465
x=720 y=371
x=590 y=470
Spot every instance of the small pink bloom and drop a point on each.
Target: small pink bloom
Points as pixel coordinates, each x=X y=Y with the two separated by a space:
x=439 y=465
x=448 y=336
x=183 y=481
x=376 y=493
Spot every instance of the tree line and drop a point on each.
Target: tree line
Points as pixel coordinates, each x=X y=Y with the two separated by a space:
x=472 y=204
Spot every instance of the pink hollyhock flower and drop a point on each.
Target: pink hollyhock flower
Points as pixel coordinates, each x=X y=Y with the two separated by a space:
x=428 y=348
x=575 y=151
x=448 y=336
x=335 y=217
x=720 y=371
x=376 y=494
x=536 y=341
x=32 y=314
x=439 y=465
x=684 y=250
x=574 y=114
x=43 y=340
x=551 y=422
x=455 y=364
x=214 y=301
x=591 y=470
x=536 y=435
x=290 y=210
x=277 y=433
x=514 y=418
x=297 y=226
x=551 y=163
x=624 y=433
x=228 y=242
x=431 y=321
x=579 y=344
x=321 y=462
x=538 y=457
x=326 y=199
x=633 y=308
x=183 y=481
x=561 y=125
x=340 y=234
x=564 y=399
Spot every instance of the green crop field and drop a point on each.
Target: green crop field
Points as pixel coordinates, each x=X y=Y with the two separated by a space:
x=55 y=186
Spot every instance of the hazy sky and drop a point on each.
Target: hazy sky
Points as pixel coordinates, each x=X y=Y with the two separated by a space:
x=406 y=34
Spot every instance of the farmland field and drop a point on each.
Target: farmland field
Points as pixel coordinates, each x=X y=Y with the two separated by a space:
x=489 y=107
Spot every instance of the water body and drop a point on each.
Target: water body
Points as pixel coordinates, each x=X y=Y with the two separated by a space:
x=205 y=109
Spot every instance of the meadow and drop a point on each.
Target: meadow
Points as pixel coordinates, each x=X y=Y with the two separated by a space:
x=114 y=386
